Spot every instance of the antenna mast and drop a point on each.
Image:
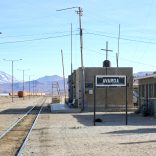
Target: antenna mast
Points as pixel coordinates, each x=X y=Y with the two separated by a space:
x=71 y=50
x=117 y=55
x=63 y=75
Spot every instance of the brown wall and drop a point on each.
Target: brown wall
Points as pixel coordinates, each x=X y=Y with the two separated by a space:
x=116 y=97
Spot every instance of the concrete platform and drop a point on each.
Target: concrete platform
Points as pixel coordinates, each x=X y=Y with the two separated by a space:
x=63 y=108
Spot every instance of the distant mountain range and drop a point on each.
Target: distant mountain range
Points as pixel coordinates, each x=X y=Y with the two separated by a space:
x=43 y=84
x=144 y=73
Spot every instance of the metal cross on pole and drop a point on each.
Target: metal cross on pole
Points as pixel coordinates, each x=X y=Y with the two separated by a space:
x=107 y=50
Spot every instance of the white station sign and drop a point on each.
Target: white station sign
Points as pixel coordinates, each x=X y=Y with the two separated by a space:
x=110 y=80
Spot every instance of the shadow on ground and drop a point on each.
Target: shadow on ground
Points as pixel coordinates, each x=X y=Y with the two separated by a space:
x=45 y=110
x=136 y=131
x=139 y=142
x=115 y=119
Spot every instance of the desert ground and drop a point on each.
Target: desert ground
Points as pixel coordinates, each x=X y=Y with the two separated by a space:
x=73 y=134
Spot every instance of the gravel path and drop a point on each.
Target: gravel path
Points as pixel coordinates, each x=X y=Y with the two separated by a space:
x=11 y=112
x=75 y=135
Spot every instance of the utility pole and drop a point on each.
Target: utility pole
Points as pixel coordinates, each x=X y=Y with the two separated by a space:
x=33 y=87
x=63 y=75
x=30 y=86
x=23 y=71
x=23 y=84
x=72 y=82
x=12 y=65
x=79 y=12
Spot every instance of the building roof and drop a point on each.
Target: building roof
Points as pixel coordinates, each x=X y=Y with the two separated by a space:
x=146 y=77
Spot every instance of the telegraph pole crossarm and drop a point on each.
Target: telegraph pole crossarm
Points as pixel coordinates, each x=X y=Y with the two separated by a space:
x=107 y=50
x=12 y=65
x=67 y=8
x=79 y=12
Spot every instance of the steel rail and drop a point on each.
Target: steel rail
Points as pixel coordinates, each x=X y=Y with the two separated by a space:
x=19 y=152
x=16 y=122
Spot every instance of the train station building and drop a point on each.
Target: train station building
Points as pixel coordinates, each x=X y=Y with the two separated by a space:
x=107 y=98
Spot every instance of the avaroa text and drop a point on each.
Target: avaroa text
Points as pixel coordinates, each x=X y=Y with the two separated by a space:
x=110 y=80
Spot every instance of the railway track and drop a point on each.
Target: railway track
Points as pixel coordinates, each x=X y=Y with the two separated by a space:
x=15 y=137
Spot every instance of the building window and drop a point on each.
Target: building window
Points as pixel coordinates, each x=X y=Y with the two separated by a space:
x=150 y=90
x=147 y=96
x=140 y=95
x=155 y=90
x=142 y=90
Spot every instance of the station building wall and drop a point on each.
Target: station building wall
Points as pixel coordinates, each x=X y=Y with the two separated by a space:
x=107 y=99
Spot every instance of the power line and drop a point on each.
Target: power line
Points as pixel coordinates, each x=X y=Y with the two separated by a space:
x=132 y=61
x=65 y=35
x=121 y=38
x=47 y=33
x=36 y=39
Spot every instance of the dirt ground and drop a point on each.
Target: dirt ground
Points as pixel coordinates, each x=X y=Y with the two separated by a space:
x=12 y=111
x=74 y=135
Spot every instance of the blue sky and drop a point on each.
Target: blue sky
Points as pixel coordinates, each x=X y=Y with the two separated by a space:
x=27 y=20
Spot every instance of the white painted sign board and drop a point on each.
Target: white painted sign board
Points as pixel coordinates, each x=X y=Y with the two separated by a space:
x=110 y=80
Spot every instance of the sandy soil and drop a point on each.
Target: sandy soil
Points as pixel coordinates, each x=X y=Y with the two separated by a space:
x=11 y=112
x=75 y=135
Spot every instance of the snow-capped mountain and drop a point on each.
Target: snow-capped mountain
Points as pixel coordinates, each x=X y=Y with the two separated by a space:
x=43 y=84
x=6 y=78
